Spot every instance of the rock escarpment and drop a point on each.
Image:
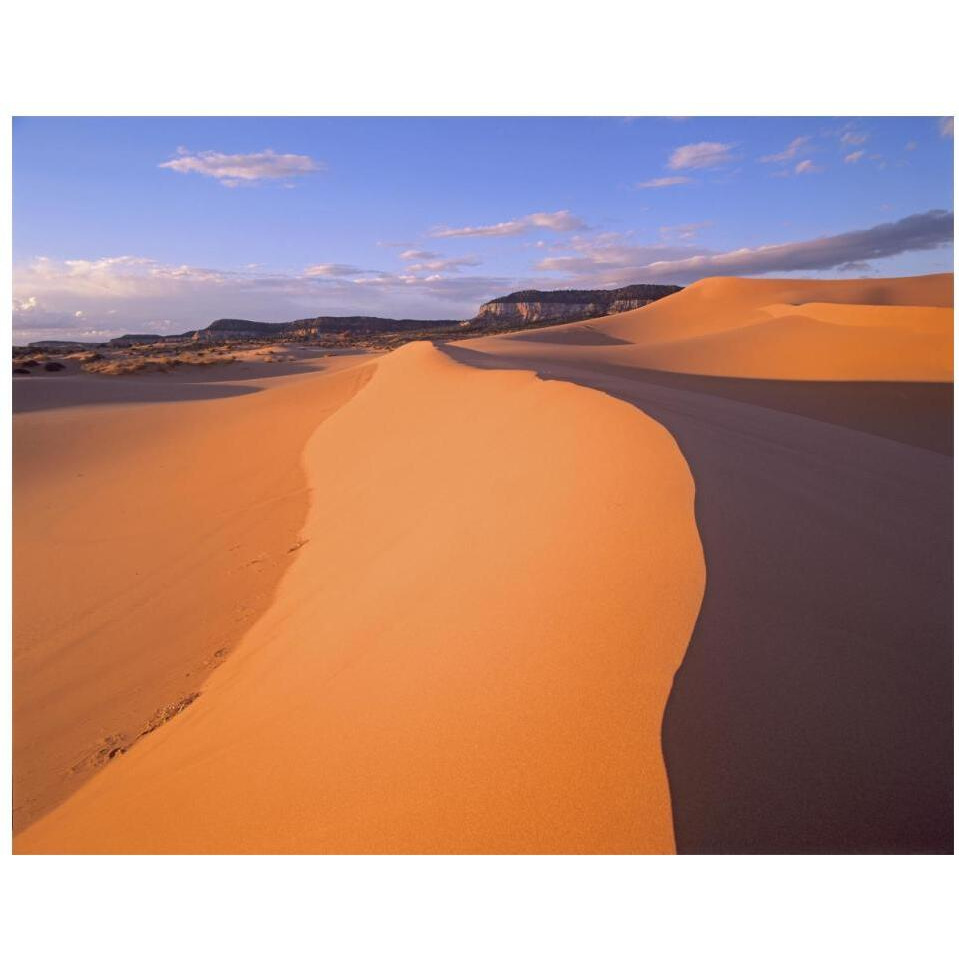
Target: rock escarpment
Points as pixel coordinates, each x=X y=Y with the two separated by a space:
x=308 y=329
x=136 y=339
x=545 y=306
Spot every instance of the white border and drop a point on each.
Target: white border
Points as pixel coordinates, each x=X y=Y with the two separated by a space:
x=437 y=58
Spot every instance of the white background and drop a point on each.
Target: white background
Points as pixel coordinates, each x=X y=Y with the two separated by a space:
x=803 y=58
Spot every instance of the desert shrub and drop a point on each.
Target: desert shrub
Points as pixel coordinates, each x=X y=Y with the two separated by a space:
x=115 y=367
x=141 y=363
x=197 y=359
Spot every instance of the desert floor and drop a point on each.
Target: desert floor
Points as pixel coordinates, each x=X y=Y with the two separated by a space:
x=672 y=580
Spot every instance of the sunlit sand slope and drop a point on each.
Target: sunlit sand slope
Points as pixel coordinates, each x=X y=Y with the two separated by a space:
x=153 y=518
x=471 y=652
x=891 y=329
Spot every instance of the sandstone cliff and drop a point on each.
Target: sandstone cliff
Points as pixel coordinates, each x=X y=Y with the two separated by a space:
x=545 y=306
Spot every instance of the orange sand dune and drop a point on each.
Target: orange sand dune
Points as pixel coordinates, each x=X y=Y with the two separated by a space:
x=470 y=653
x=153 y=519
x=915 y=319
x=721 y=303
x=891 y=329
x=799 y=347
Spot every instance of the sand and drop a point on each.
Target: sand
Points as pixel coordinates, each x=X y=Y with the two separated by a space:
x=471 y=652
x=813 y=710
x=150 y=529
x=863 y=330
x=493 y=635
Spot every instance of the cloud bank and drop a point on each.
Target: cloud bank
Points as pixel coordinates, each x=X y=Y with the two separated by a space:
x=94 y=299
x=233 y=169
x=622 y=264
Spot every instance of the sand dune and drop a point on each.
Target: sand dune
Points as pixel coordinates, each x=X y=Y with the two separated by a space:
x=471 y=652
x=914 y=319
x=153 y=519
x=813 y=709
x=798 y=346
x=890 y=329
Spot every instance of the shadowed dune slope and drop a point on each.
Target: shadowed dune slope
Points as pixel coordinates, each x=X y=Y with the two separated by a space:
x=813 y=709
x=471 y=653
x=891 y=329
x=150 y=531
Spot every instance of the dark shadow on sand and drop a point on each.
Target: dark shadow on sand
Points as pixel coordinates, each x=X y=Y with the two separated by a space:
x=47 y=391
x=84 y=389
x=574 y=336
x=919 y=414
x=813 y=710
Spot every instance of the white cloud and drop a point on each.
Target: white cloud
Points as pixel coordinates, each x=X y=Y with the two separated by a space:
x=562 y=221
x=946 y=126
x=854 y=157
x=334 y=269
x=425 y=261
x=450 y=264
x=232 y=169
x=684 y=231
x=807 y=166
x=27 y=305
x=697 y=156
x=790 y=153
x=659 y=182
x=853 y=138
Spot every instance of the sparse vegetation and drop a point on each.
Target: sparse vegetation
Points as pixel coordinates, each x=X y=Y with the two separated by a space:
x=140 y=360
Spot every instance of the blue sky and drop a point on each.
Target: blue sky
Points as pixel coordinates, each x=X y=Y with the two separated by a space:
x=164 y=224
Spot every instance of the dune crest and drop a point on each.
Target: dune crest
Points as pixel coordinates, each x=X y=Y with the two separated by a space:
x=471 y=652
